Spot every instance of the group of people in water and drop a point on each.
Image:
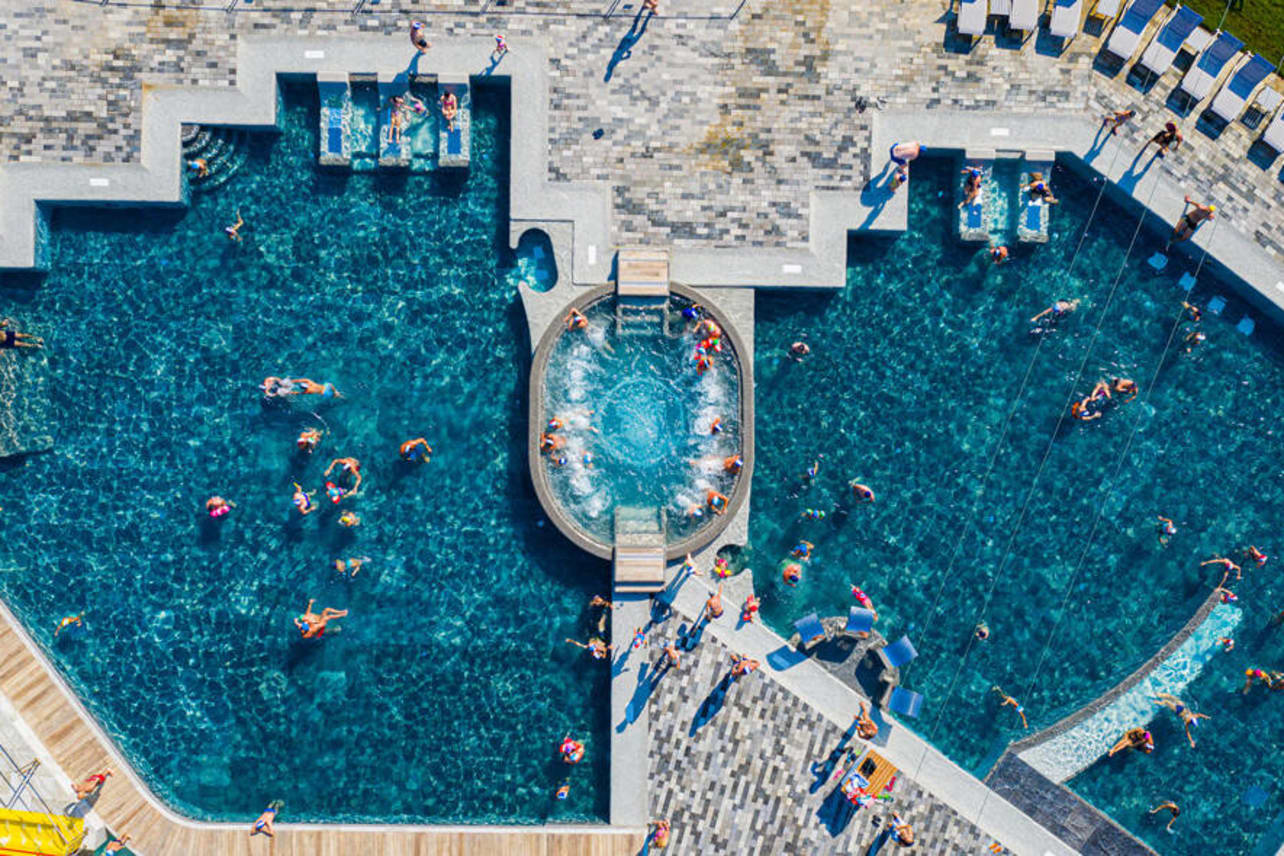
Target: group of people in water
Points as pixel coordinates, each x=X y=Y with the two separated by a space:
x=1105 y=394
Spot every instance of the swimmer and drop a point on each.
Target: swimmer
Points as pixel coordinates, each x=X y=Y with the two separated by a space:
x=415 y=451
x=1252 y=676
x=264 y=821
x=76 y=621
x=981 y=632
x=449 y=110
x=971 y=186
x=575 y=320
x=118 y=845
x=709 y=328
x=199 y=166
x=1083 y=410
x=551 y=442
x=302 y=499
x=1227 y=643
x=351 y=567
x=1228 y=596
x=1165 y=530
x=812 y=514
x=275 y=386
x=866 y=728
x=1195 y=314
x=799 y=350
x=1038 y=189
x=10 y=337
x=311 y=387
x=742 y=665
x=1227 y=564
x=999 y=254
x=312 y=625
x=1133 y=738
x=308 y=440
x=598 y=649
x=572 y=751
x=1124 y=386
x=717 y=502
x=233 y=232
x=349 y=520
x=713 y=606
x=1257 y=555
x=92 y=783
x=802 y=550
x=863 y=599
x=1170 y=807
x=693 y=313
x=1193 y=338
x=217 y=506
x=862 y=493
x=1009 y=700
x=750 y=609
x=606 y=606
x=716 y=426
x=1057 y=310
x=659 y=837
x=812 y=471
x=352 y=467
x=733 y=464
x=792 y=573
x=1192 y=220
x=563 y=791
x=1188 y=717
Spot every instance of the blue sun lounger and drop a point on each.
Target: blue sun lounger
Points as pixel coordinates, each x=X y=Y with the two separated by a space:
x=1158 y=58
x=810 y=631
x=905 y=702
x=859 y=621
x=1233 y=98
x=1127 y=34
x=1199 y=80
x=897 y=654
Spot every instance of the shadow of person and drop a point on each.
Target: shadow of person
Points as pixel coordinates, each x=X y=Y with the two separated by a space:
x=625 y=48
x=1128 y=181
x=1098 y=143
x=711 y=705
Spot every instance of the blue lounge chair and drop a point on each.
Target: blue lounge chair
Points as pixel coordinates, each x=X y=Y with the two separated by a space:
x=898 y=654
x=1158 y=58
x=1127 y=34
x=810 y=631
x=1199 y=81
x=1233 y=98
x=859 y=621
x=906 y=702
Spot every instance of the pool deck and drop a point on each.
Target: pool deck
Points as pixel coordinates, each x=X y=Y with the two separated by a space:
x=77 y=744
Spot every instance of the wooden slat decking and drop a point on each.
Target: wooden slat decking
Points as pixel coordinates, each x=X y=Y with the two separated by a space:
x=80 y=747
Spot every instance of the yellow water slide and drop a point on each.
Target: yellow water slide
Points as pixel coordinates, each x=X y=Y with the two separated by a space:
x=31 y=833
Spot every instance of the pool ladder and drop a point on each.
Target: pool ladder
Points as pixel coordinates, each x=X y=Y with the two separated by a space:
x=641 y=316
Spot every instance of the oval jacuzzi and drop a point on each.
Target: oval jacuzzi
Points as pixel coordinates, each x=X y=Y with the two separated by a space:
x=624 y=403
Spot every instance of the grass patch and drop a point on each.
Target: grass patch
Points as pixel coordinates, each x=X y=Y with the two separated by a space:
x=1258 y=23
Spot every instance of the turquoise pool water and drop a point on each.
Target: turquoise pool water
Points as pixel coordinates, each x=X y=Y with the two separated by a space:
x=915 y=369
x=446 y=691
x=635 y=420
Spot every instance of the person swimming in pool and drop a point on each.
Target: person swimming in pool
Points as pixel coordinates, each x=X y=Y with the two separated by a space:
x=1038 y=189
x=302 y=500
x=861 y=492
x=1133 y=738
x=263 y=823
x=1124 y=386
x=791 y=573
x=1165 y=530
x=311 y=387
x=308 y=440
x=349 y=520
x=217 y=506
x=352 y=467
x=1009 y=701
x=802 y=550
x=596 y=648
x=1188 y=717
x=1056 y=311
x=10 y=337
x=1227 y=564
x=1170 y=807
x=1257 y=555
x=276 y=386
x=575 y=319
x=233 y=232
x=350 y=568
x=572 y=751
x=312 y=625
x=416 y=451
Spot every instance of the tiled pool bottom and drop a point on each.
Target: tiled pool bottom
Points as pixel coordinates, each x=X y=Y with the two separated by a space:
x=444 y=694
x=914 y=369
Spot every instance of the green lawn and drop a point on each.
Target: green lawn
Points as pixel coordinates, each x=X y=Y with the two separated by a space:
x=1258 y=23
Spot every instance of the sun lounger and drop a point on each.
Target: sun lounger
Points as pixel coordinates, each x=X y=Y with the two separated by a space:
x=1159 y=57
x=859 y=621
x=1067 y=15
x=972 y=16
x=810 y=631
x=1024 y=15
x=897 y=654
x=1199 y=81
x=1234 y=97
x=1273 y=136
x=1127 y=35
x=906 y=702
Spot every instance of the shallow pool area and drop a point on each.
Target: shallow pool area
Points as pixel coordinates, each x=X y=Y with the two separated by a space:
x=443 y=694
x=925 y=383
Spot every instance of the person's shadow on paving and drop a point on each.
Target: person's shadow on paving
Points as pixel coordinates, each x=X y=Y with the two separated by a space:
x=711 y=705
x=836 y=812
x=624 y=49
x=822 y=770
x=1128 y=181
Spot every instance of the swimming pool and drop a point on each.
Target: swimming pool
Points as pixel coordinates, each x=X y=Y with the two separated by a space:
x=914 y=370
x=446 y=691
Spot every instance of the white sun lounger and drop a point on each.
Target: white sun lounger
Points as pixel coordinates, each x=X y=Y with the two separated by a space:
x=1159 y=57
x=1273 y=136
x=1106 y=9
x=1127 y=34
x=1234 y=97
x=1199 y=81
x=972 y=16
x=1067 y=15
x=1024 y=15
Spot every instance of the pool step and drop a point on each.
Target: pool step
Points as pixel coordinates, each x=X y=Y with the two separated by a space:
x=641 y=316
x=639 y=549
x=454 y=142
x=224 y=150
x=334 y=139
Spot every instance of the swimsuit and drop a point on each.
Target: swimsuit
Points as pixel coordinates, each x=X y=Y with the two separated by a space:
x=1190 y=223
x=10 y=339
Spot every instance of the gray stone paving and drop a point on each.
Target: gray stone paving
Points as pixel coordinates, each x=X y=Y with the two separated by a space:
x=741 y=782
x=716 y=132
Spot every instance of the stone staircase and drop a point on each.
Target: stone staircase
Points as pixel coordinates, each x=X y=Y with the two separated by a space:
x=639 y=549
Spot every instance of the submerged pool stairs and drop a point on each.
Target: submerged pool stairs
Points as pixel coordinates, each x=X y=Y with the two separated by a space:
x=224 y=150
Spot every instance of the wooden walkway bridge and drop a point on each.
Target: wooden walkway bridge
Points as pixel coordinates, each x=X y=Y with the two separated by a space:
x=80 y=747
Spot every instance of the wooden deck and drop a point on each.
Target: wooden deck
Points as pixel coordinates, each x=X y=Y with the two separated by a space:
x=80 y=747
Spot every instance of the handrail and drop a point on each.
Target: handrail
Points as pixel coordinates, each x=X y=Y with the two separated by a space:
x=27 y=784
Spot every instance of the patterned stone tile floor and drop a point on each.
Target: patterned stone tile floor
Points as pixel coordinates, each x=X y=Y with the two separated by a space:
x=715 y=131
x=737 y=778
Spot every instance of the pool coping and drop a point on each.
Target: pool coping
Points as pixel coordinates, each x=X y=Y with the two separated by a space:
x=562 y=519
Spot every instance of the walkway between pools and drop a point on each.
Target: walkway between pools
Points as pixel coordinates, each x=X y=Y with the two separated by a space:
x=837 y=702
